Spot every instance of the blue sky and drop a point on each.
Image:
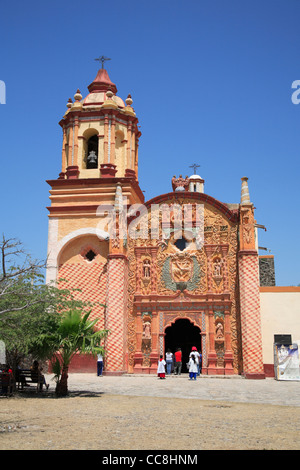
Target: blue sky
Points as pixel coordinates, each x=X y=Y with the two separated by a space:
x=211 y=84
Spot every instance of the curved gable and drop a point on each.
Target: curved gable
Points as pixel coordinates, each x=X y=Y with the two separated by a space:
x=231 y=215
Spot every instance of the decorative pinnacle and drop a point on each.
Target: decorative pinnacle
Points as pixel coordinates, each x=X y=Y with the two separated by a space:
x=245 y=197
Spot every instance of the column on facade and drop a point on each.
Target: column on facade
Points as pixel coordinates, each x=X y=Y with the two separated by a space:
x=136 y=166
x=112 y=140
x=105 y=143
x=132 y=156
x=64 y=160
x=100 y=149
x=75 y=157
x=250 y=315
x=153 y=251
x=209 y=251
x=138 y=271
x=71 y=148
x=138 y=356
x=228 y=356
x=224 y=251
x=128 y=149
x=211 y=354
x=72 y=171
x=154 y=356
x=249 y=290
x=116 y=314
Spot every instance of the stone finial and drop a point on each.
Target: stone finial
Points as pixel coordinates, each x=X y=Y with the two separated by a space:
x=245 y=196
x=128 y=108
x=109 y=102
x=69 y=103
x=78 y=96
x=128 y=100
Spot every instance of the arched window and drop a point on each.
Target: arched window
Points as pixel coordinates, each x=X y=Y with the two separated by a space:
x=92 y=152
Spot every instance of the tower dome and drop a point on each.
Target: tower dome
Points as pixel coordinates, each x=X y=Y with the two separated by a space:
x=98 y=90
x=196 y=184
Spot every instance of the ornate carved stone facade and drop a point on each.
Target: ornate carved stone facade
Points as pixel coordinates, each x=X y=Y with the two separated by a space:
x=174 y=274
x=198 y=283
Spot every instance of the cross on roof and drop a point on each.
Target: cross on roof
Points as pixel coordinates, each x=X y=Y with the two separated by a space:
x=195 y=166
x=102 y=59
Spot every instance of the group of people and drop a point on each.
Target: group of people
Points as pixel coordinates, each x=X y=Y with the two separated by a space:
x=6 y=379
x=175 y=360
x=36 y=375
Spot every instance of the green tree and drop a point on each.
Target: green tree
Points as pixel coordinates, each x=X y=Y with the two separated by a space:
x=32 y=313
x=73 y=333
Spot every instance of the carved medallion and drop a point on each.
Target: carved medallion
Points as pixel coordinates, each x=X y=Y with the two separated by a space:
x=181 y=267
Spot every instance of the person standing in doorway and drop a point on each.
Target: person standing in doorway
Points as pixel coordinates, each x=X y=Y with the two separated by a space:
x=178 y=362
x=169 y=361
x=99 y=365
x=195 y=352
x=161 y=371
x=193 y=367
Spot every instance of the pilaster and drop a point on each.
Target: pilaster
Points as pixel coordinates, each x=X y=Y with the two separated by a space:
x=116 y=315
x=249 y=290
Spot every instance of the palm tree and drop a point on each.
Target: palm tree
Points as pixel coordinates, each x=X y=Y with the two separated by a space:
x=74 y=334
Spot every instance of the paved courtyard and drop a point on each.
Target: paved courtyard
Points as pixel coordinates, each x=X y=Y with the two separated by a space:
x=230 y=389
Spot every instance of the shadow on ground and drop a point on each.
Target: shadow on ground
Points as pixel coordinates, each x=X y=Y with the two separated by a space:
x=51 y=394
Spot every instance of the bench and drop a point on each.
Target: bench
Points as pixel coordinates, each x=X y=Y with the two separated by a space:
x=24 y=377
x=7 y=384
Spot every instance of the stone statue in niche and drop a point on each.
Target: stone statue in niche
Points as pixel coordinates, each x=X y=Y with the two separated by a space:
x=219 y=330
x=217 y=267
x=217 y=271
x=147 y=330
x=146 y=269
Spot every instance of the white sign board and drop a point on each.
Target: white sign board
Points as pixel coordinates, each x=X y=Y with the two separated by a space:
x=286 y=361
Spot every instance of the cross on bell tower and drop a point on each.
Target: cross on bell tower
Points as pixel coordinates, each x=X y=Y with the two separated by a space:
x=102 y=59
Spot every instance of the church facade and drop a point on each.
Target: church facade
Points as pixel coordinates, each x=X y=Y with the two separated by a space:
x=179 y=270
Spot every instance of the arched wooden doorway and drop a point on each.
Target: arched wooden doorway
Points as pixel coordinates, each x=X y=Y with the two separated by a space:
x=183 y=334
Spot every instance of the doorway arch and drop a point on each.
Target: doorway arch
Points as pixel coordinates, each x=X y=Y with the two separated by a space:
x=183 y=334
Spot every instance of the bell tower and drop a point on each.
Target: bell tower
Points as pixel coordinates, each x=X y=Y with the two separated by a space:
x=100 y=133
x=99 y=174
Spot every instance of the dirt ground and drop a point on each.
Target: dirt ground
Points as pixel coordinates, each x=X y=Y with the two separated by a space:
x=101 y=421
